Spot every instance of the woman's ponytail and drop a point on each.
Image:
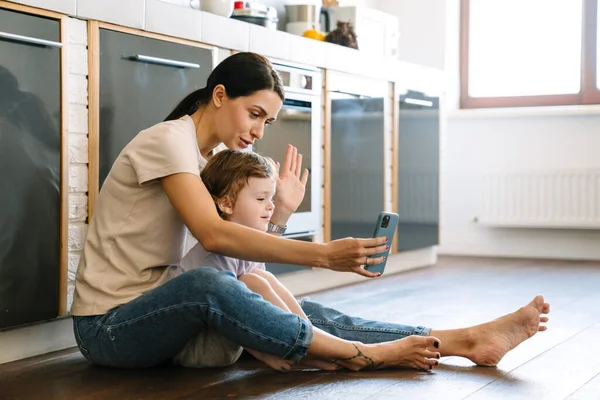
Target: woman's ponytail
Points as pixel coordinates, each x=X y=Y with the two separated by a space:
x=189 y=104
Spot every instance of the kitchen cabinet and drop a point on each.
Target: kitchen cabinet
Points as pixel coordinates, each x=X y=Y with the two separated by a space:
x=136 y=82
x=31 y=182
x=358 y=110
x=418 y=173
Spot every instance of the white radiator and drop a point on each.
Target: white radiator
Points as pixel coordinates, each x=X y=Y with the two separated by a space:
x=547 y=199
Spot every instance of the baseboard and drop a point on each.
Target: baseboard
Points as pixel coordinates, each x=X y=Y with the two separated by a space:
x=34 y=340
x=547 y=253
x=309 y=281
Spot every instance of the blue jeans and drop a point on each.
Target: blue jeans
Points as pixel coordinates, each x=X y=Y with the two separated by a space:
x=154 y=327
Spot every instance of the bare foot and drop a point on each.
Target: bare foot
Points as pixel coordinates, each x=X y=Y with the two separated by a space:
x=417 y=352
x=492 y=340
x=275 y=362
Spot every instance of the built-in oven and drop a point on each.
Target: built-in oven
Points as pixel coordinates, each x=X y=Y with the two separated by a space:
x=299 y=123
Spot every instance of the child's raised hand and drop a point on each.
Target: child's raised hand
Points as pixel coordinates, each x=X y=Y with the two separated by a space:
x=291 y=185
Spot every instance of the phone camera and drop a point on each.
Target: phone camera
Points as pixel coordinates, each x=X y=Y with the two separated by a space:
x=385 y=222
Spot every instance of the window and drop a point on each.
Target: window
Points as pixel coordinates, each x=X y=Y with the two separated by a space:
x=517 y=53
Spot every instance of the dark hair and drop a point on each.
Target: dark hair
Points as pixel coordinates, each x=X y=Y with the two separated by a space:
x=242 y=74
x=228 y=171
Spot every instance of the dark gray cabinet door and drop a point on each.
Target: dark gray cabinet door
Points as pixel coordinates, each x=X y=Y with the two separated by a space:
x=418 y=171
x=138 y=91
x=357 y=134
x=29 y=170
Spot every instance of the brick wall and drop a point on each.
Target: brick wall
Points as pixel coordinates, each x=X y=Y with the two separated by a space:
x=78 y=144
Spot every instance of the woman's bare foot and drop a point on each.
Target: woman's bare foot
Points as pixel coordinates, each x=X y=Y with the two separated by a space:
x=492 y=340
x=417 y=352
x=275 y=362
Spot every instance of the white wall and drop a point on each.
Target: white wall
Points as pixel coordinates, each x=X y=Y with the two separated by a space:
x=422 y=28
x=422 y=25
x=475 y=146
x=476 y=142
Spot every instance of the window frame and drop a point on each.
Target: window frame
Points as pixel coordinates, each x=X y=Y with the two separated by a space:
x=589 y=92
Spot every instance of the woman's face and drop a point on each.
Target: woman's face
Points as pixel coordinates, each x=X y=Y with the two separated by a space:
x=241 y=121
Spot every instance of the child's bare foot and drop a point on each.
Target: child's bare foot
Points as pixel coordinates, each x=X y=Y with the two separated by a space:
x=275 y=362
x=417 y=352
x=492 y=340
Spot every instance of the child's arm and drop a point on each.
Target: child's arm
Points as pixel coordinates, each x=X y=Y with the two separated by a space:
x=283 y=293
x=260 y=285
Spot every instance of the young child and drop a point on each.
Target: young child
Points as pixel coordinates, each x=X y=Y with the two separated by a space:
x=242 y=185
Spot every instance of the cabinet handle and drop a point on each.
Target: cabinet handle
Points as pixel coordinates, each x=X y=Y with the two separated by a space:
x=164 y=61
x=355 y=95
x=418 y=102
x=28 y=39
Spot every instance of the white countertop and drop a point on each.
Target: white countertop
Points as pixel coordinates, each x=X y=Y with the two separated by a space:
x=164 y=18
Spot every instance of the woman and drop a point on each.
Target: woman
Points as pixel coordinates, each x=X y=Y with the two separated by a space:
x=128 y=314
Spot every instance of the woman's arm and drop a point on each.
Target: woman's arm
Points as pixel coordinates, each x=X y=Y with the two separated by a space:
x=191 y=199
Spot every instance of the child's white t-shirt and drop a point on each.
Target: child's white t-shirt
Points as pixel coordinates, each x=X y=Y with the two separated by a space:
x=196 y=256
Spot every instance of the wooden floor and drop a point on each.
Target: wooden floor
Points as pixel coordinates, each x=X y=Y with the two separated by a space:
x=561 y=363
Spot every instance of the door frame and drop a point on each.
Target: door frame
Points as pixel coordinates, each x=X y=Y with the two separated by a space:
x=64 y=145
x=94 y=95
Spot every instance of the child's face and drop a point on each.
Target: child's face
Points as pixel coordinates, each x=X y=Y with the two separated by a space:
x=254 y=204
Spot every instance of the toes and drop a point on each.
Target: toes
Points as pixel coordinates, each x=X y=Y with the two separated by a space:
x=426 y=364
x=431 y=354
x=422 y=365
x=431 y=363
x=543 y=320
x=285 y=367
x=546 y=308
x=432 y=341
x=538 y=302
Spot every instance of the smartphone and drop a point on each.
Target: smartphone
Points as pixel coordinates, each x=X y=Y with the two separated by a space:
x=386 y=226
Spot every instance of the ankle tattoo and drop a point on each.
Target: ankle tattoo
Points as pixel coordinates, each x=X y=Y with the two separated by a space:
x=361 y=355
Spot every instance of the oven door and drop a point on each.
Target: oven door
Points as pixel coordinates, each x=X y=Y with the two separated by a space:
x=418 y=170
x=299 y=124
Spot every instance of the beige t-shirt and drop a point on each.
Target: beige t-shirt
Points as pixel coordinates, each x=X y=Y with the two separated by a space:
x=135 y=233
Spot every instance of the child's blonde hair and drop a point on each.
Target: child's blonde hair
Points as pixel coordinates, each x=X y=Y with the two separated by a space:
x=228 y=171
